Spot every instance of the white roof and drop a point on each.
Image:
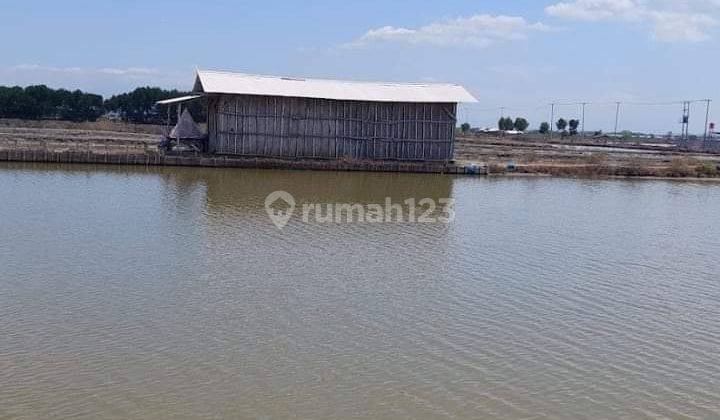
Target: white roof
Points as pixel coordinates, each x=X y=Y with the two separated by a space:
x=177 y=100
x=211 y=81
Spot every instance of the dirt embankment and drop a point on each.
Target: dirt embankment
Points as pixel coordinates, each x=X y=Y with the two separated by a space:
x=584 y=157
x=103 y=125
x=530 y=155
x=98 y=137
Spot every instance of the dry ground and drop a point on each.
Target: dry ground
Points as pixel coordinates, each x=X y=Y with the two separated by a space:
x=60 y=136
x=532 y=155
x=590 y=157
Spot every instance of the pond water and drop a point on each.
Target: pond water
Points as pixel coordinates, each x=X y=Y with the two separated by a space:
x=132 y=292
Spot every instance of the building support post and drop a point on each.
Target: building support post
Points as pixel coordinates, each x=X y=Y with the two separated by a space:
x=179 y=111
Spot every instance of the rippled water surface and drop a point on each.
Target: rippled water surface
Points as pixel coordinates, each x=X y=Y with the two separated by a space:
x=168 y=293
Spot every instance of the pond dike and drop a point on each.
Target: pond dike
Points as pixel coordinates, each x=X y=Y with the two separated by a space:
x=221 y=161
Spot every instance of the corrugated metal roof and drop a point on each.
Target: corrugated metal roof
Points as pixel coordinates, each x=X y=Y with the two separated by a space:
x=211 y=81
x=178 y=100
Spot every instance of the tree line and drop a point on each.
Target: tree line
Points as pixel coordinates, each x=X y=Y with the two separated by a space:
x=138 y=106
x=562 y=125
x=565 y=127
x=41 y=102
x=507 y=124
x=504 y=124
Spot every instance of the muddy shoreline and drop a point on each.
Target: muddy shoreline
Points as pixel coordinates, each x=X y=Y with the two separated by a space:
x=118 y=143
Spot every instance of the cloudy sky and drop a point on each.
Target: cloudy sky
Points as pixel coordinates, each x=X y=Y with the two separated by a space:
x=520 y=55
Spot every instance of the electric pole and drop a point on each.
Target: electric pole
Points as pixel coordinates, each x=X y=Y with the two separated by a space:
x=552 y=118
x=583 y=118
x=707 y=119
x=686 y=121
x=617 y=116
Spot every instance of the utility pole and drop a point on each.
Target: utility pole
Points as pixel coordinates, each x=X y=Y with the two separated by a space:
x=686 y=121
x=617 y=116
x=707 y=119
x=552 y=118
x=583 y=118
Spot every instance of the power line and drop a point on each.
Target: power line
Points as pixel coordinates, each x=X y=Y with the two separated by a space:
x=585 y=109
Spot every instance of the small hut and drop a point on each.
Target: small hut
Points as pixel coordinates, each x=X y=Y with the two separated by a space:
x=186 y=128
x=282 y=117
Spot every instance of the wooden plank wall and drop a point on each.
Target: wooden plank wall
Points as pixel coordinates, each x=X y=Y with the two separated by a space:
x=267 y=126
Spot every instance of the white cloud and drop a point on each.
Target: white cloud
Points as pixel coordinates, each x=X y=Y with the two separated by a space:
x=596 y=10
x=103 y=80
x=476 y=31
x=129 y=72
x=673 y=26
x=670 y=20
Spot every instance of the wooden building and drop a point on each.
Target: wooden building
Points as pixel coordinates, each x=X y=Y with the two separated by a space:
x=262 y=116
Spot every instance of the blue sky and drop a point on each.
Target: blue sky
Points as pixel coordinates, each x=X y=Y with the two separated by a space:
x=521 y=55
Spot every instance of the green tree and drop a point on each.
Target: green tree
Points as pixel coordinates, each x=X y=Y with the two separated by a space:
x=41 y=102
x=521 y=124
x=139 y=105
x=465 y=128
x=79 y=106
x=544 y=128
x=14 y=103
x=573 y=126
x=561 y=124
x=505 y=124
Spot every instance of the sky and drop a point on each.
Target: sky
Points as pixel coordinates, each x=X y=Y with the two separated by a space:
x=517 y=55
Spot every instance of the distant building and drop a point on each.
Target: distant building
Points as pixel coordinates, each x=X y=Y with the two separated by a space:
x=280 y=117
x=111 y=116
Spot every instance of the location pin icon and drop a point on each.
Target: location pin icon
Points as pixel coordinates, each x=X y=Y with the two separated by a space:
x=280 y=217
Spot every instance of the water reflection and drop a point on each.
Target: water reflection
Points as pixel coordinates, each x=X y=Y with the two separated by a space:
x=132 y=292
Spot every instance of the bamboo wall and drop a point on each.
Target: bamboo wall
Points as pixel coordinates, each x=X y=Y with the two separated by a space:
x=266 y=126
